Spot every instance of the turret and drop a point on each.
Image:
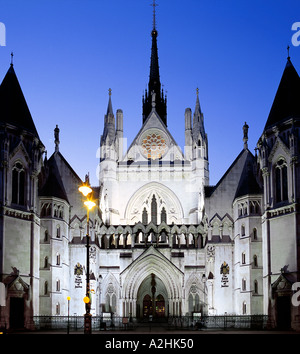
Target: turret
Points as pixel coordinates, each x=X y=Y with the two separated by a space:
x=188 y=134
x=119 y=140
x=199 y=136
x=107 y=142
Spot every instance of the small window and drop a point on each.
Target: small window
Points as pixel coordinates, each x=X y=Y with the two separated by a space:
x=243 y=258
x=58 y=231
x=240 y=211
x=244 y=308
x=255 y=287
x=255 y=261
x=57 y=308
x=254 y=234
x=244 y=284
x=57 y=285
x=57 y=259
x=243 y=230
x=46 y=264
x=46 y=288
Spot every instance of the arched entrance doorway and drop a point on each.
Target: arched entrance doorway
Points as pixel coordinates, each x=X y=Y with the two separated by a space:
x=151 y=274
x=152 y=298
x=159 y=310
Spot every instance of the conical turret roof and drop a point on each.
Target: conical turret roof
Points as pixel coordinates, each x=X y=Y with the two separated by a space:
x=287 y=100
x=13 y=106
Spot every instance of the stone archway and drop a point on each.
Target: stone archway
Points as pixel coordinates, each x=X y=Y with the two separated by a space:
x=17 y=313
x=151 y=269
x=152 y=298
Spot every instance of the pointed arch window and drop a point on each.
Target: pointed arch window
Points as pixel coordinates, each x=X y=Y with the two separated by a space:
x=46 y=288
x=255 y=287
x=254 y=234
x=255 y=263
x=18 y=184
x=244 y=308
x=163 y=215
x=243 y=230
x=145 y=217
x=154 y=210
x=281 y=181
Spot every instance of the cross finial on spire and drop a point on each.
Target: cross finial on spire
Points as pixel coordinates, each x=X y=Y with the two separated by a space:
x=154 y=4
x=12 y=58
x=197 y=91
x=288 y=50
x=109 y=92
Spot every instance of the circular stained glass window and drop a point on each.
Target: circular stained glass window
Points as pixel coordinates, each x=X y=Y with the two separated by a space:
x=153 y=145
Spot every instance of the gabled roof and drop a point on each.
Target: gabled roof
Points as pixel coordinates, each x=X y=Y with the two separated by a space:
x=59 y=155
x=287 y=100
x=241 y=174
x=209 y=190
x=13 y=106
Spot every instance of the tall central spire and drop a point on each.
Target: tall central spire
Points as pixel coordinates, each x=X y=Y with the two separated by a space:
x=154 y=85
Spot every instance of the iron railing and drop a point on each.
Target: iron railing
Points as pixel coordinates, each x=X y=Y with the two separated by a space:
x=76 y=323
x=223 y=322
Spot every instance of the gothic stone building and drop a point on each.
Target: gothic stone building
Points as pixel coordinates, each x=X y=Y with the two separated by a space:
x=163 y=241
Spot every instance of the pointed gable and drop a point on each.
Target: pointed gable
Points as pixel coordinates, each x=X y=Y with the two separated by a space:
x=53 y=186
x=287 y=100
x=248 y=183
x=13 y=106
x=153 y=133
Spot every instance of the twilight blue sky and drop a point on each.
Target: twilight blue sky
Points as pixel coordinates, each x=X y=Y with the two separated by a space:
x=68 y=53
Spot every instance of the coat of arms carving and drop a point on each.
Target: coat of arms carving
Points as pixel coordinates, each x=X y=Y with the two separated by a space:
x=224 y=270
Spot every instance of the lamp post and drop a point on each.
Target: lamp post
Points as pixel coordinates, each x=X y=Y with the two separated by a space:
x=68 y=328
x=85 y=189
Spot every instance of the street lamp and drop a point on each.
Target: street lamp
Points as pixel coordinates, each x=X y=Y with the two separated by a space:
x=68 y=329
x=85 y=189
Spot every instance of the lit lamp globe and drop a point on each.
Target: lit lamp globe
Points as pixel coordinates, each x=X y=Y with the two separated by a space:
x=85 y=190
x=86 y=299
x=89 y=204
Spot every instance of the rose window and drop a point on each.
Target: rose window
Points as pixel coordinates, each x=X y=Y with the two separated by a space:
x=153 y=145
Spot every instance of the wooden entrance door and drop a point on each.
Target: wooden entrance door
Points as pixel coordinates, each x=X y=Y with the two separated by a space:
x=147 y=306
x=159 y=306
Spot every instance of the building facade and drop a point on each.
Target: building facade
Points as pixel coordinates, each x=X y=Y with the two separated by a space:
x=163 y=241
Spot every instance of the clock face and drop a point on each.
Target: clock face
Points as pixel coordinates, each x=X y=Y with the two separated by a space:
x=154 y=144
